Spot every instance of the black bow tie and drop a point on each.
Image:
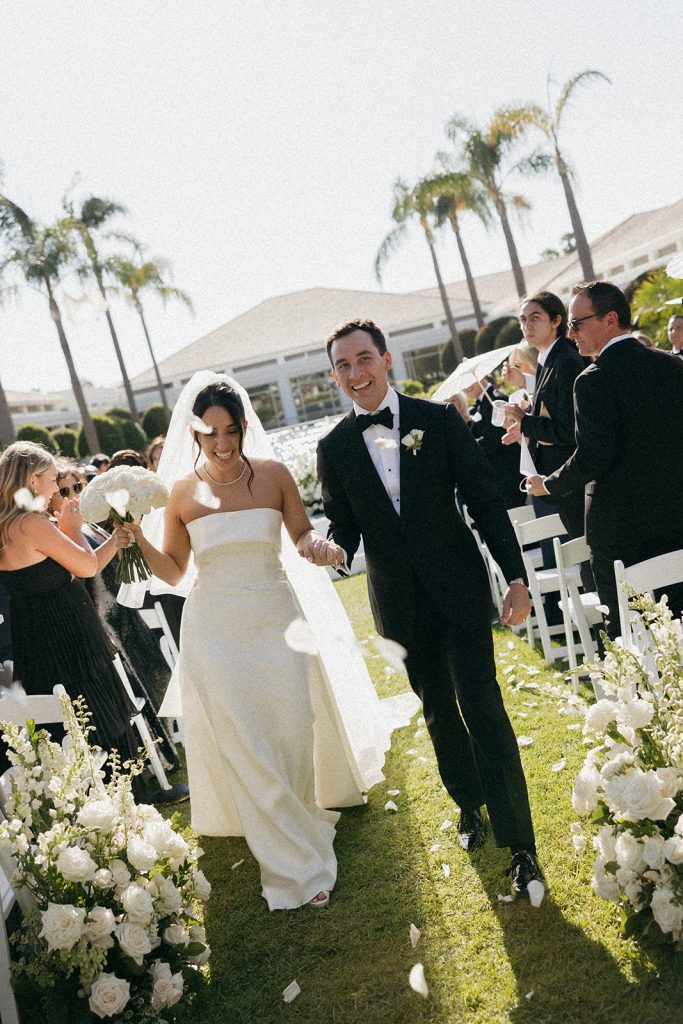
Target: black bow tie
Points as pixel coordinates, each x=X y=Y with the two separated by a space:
x=385 y=416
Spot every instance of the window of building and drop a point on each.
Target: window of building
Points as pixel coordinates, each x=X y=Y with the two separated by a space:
x=426 y=364
x=410 y=330
x=267 y=404
x=315 y=395
x=243 y=367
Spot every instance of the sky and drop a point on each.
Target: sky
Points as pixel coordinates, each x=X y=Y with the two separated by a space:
x=255 y=144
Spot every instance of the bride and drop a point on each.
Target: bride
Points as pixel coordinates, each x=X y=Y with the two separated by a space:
x=272 y=736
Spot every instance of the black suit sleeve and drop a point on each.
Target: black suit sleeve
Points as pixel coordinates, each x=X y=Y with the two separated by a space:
x=597 y=434
x=558 y=426
x=343 y=529
x=477 y=486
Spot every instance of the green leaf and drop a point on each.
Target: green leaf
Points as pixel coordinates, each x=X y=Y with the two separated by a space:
x=195 y=949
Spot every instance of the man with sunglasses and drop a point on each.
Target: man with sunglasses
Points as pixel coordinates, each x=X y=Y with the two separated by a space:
x=629 y=443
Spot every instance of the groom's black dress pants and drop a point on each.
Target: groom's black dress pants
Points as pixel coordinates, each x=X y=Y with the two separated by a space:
x=452 y=670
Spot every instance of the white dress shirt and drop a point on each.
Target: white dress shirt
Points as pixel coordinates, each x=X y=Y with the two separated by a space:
x=385 y=457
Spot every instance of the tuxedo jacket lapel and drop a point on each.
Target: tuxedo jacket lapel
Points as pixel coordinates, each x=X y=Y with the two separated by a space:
x=410 y=463
x=362 y=467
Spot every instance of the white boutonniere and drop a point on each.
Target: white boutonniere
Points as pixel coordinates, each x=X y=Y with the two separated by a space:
x=413 y=441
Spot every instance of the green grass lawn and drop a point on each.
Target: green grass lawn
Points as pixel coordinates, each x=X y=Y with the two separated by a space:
x=485 y=961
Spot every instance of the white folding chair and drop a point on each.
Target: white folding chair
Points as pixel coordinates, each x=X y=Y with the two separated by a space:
x=644 y=577
x=580 y=610
x=141 y=725
x=156 y=620
x=9 y=1013
x=541 y=581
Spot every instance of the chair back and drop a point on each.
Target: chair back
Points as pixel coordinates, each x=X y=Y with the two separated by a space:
x=644 y=577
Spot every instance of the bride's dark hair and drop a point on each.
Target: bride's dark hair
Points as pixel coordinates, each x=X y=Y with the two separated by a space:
x=222 y=394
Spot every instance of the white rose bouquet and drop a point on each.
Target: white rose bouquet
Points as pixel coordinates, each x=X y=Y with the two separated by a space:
x=112 y=892
x=124 y=494
x=631 y=783
x=304 y=472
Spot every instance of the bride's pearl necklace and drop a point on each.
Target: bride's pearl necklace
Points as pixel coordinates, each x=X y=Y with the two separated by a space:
x=225 y=483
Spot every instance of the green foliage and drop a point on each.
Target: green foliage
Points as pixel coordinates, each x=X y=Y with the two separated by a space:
x=117 y=412
x=486 y=336
x=154 y=421
x=33 y=432
x=109 y=436
x=66 y=441
x=468 y=339
x=412 y=387
x=509 y=334
x=133 y=435
x=648 y=305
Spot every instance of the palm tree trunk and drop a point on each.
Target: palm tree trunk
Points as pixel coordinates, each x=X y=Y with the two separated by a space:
x=88 y=425
x=455 y=337
x=160 y=383
x=7 y=431
x=582 y=247
x=471 y=286
x=130 y=397
x=517 y=271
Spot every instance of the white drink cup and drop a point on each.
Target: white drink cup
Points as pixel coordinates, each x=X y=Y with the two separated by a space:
x=498 y=413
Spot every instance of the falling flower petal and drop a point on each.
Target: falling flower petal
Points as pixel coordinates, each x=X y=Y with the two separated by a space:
x=414 y=935
x=445 y=824
x=394 y=654
x=299 y=636
x=417 y=981
x=205 y=496
x=25 y=500
x=237 y=864
x=199 y=425
x=535 y=891
x=386 y=442
x=524 y=741
x=118 y=500
x=390 y=806
x=291 y=992
x=560 y=765
x=446 y=868
x=504 y=899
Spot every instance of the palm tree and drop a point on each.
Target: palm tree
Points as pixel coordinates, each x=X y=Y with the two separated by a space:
x=486 y=152
x=147 y=276
x=409 y=204
x=42 y=253
x=456 y=193
x=550 y=121
x=93 y=214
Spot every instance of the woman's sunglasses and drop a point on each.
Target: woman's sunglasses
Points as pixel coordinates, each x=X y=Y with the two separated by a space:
x=66 y=491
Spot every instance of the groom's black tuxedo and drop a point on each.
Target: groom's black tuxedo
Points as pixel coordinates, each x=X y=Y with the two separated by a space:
x=429 y=591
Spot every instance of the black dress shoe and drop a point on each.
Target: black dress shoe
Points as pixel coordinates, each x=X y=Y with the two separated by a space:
x=175 y=795
x=472 y=830
x=524 y=868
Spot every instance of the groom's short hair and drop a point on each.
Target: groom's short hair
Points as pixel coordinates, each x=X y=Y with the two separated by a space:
x=369 y=326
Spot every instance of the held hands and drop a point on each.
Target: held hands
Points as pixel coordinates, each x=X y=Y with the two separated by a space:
x=316 y=549
x=516 y=605
x=536 y=485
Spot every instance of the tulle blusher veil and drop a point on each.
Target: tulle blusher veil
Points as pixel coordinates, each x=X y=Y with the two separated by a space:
x=346 y=691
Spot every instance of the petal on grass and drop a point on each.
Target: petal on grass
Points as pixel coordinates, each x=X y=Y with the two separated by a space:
x=415 y=933
x=524 y=741
x=435 y=848
x=529 y=994
x=390 y=806
x=445 y=824
x=446 y=868
x=417 y=981
x=300 y=637
x=393 y=792
x=560 y=765
x=504 y=899
x=237 y=864
x=291 y=992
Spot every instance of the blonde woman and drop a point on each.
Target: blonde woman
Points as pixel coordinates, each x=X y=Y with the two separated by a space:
x=56 y=633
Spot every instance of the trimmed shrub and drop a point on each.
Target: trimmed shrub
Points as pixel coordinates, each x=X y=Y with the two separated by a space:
x=66 y=441
x=154 y=421
x=133 y=435
x=32 y=432
x=117 y=412
x=109 y=435
x=510 y=334
x=412 y=387
x=486 y=336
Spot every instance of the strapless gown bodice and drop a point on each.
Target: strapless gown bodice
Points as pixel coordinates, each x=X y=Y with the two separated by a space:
x=238 y=550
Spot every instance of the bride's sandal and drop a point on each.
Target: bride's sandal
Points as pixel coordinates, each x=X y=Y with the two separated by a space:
x=320 y=900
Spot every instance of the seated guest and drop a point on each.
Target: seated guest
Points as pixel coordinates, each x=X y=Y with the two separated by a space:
x=674 y=331
x=154 y=451
x=127 y=457
x=100 y=462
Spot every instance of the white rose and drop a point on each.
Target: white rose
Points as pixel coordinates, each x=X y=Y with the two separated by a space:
x=176 y=935
x=201 y=886
x=133 y=940
x=585 y=795
x=99 y=925
x=168 y=988
x=604 y=884
x=622 y=758
x=119 y=873
x=638 y=796
x=599 y=716
x=670 y=780
x=606 y=843
x=678 y=827
x=169 y=900
x=668 y=916
x=76 y=865
x=673 y=849
x=108 y=995
x=62 y=925
x=141 y=855
x=629 y=853
x=137 y=904
x=98 y=814
x=653 y=852
x=197 y=935
x=103 y=879
x=634 y=714
x=166 y=841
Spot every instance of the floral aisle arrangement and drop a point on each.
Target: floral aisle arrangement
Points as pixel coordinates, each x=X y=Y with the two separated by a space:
x=631 y=783
x=124 y=494
x=304 y=472
x=114 y=889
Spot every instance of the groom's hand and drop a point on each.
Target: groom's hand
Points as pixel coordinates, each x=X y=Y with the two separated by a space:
x=316 y=549
x=516 y=605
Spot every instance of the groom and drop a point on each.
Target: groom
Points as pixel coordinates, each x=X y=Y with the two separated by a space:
x=389 y=471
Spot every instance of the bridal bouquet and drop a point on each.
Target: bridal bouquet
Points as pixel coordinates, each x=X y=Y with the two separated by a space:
x=631 y=783
x=124 y=494
x=111 y=890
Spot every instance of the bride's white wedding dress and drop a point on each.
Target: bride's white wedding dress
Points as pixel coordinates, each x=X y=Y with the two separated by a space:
x=248 y=714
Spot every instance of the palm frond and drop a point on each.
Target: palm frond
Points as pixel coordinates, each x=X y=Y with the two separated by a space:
x=14 y=220
x=166 y=292
x=458 y=128
x=535 y=163
x=95 y=211
x=389 y=246
x=581 y=79
x=520 y=203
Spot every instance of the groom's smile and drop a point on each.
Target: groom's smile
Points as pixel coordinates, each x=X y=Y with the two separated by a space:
x=360 y=369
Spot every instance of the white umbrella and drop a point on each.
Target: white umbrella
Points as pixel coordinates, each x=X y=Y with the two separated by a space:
x=674 y=267
x=472 y=370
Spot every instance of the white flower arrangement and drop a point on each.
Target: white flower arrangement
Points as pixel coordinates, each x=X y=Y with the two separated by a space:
x=124 y=494
x=114 y=890
x=631 y=783
x=412 y=442
x=304 y=472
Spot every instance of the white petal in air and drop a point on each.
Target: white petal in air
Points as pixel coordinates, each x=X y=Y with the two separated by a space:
x=25 y=500
x=417 y=981
x=393 y=653
x=199 y=425
x=536 y=891
x=386 y=442
x=291 y=992
x=118 y=500
x=300 y=637
x=414 y=935
x=205 y=496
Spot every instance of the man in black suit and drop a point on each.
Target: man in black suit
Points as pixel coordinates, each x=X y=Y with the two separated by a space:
x=629 y=443
x=674 y=332
x=389 y=471
x=503 y=461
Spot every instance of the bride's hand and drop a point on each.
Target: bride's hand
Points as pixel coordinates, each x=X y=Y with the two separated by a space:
x=316 y=549
x=124 y=537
